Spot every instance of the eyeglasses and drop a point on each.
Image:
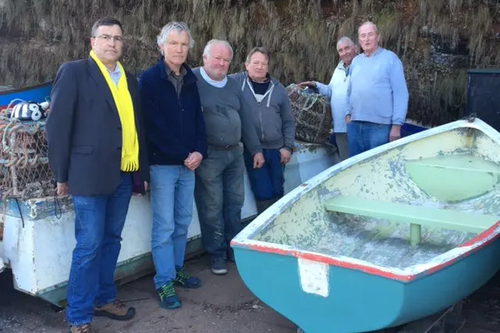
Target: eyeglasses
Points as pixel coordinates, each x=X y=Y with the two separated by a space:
x=106 y=38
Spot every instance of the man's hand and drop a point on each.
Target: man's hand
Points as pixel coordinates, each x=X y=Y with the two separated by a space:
x=395 y=133
x=285 y=155
x=307 y=84
x=146 y=186
x=258 y=161
x=348 y=119
x=62 y=189
x=193 y=160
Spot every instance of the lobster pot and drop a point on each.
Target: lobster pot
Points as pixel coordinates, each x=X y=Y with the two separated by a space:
x=25 y=171
x=311 y=112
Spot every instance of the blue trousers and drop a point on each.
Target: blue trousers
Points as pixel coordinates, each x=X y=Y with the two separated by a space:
x=172 y=189
x=220 y=194
x=363 y=136
x=266 y=182
x=99 y=222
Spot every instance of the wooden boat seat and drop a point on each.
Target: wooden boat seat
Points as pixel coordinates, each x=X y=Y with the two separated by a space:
x=416 y=216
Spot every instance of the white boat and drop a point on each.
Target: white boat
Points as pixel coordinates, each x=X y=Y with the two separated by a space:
x=37 y=244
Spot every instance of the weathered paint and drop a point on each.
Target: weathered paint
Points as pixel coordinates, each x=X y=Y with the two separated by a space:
x=293 y=228
x=39 y=252
x=313 y=277
x=360 y=302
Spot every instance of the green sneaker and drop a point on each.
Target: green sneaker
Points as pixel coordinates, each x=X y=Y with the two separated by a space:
x=185 y=280
x=168 y=298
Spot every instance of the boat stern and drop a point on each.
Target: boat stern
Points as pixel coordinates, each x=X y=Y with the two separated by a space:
x=319 y=297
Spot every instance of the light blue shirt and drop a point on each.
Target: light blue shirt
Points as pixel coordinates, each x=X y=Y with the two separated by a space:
x=336 y=91
x=115 y=75
x=377 y=89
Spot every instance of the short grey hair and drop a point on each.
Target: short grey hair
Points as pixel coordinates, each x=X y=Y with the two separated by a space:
x=369 y=23
x=345 y=39
x=162 y=38
x=208 y=47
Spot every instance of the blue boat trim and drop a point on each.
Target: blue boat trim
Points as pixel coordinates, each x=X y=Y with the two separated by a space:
x=37 y=93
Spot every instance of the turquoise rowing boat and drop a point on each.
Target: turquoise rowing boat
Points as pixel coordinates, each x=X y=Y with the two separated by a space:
x=387 y=237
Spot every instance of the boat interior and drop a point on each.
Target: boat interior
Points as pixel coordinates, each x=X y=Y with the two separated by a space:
x=399 y=208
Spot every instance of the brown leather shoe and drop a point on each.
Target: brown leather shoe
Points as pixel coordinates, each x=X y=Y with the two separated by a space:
x=116 y=310
x=86 y=328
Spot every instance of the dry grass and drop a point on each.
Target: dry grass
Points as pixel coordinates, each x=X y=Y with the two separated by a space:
x=37 y=36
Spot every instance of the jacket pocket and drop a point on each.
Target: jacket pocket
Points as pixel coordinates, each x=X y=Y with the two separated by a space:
x=272 y=126
x=87 y=150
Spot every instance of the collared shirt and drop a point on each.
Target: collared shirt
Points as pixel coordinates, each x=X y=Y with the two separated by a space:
x=336 y=91
x=115 y=75
x=176 y=80
x=208 y=79
x=377 y=91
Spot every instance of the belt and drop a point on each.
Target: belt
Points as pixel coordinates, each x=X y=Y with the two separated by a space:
x=228 y=147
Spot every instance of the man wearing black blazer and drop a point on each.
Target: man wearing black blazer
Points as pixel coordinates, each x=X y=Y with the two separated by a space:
x=97 y=153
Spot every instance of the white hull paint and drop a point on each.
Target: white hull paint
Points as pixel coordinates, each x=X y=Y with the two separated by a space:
x=39 y=253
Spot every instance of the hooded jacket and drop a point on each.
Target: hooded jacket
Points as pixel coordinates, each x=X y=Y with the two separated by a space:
x=272 y=116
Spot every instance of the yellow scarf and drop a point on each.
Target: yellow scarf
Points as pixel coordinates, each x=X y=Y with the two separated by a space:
x=125 y=107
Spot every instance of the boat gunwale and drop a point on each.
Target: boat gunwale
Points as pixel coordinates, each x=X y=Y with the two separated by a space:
x=244 y=238
x=23 y=89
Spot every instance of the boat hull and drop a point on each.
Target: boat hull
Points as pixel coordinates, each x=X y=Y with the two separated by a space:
x=358 y=301
x=369 y=244
x=38 y=93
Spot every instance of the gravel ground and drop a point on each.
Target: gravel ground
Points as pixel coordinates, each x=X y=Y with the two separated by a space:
x=222 y=304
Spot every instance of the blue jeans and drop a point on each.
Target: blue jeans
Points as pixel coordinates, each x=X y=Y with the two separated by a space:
x=220 y=194
x=172 y=188
x=363 y=136
x=99 y=222
x=266 y=182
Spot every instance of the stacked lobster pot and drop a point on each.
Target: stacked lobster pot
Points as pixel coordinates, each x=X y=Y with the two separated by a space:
x=24 y=167
x=312 y=115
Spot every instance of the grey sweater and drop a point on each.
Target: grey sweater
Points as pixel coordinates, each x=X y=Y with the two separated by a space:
x=226 y=115
x=272 y=117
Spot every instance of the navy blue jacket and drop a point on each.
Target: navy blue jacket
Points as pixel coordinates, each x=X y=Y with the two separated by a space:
x=174 y=124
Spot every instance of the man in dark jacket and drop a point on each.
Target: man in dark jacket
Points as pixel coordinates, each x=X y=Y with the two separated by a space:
x=177 y=144
x=96 y=151
x=273 y=121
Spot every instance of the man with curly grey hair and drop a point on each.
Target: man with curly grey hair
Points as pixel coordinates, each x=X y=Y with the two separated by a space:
x=177 y=144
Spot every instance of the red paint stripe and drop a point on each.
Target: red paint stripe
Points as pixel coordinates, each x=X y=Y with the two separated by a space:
x=481 y=237
x=376 y=271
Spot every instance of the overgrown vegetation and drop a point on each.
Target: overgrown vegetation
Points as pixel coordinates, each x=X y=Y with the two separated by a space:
x=436 y=39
